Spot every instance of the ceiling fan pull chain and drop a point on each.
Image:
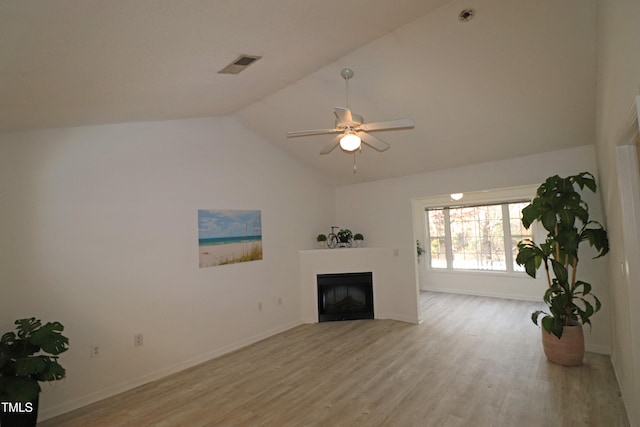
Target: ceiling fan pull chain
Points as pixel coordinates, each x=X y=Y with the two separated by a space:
x=354 y=162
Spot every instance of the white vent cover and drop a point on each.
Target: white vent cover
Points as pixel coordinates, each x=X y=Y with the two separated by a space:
x=239 y=64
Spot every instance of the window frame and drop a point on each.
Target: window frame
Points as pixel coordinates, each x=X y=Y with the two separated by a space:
x=502 y=197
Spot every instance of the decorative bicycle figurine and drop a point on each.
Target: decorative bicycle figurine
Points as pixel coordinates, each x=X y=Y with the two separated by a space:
x=332 y=238
x=343 y=238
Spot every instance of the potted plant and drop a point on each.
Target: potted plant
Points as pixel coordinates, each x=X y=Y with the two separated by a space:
x=25 y=359
x=358 y=238
x=419 y=249
x=322 y=240
x=565 y=217
x=344 y=237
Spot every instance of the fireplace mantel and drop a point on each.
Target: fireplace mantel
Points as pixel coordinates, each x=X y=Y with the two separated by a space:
x=382 y=262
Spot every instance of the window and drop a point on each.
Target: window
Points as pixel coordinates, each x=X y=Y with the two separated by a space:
x=477 y=237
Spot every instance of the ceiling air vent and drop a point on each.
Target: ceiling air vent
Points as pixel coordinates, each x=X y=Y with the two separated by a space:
x=239 y=64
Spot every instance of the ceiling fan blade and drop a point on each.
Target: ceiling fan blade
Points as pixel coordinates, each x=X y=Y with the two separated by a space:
x=343 y=114
x=391 y=124
x=333 y=144
x=373 y=142
x=311 y=132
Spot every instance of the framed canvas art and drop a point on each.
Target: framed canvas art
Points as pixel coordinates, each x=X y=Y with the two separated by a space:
x=229 y=236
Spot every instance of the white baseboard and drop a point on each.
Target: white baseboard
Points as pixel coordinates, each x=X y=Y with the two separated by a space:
x=482 y=294
x=625 y=398
x=599 y=349
x=156 y=375
x=398 y=317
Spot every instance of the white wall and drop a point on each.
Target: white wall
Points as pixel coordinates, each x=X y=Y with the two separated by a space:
x=382 y=211
x=99 y=231
x=618 y=83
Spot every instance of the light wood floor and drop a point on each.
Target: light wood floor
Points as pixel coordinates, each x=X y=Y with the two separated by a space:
x=475 y=361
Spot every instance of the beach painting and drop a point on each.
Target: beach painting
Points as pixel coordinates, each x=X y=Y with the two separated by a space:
x=229 y=236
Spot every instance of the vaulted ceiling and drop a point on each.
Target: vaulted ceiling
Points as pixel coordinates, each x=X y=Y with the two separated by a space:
x=517 y=79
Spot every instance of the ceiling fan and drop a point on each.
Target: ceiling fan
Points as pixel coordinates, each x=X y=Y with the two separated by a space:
x=352 y=129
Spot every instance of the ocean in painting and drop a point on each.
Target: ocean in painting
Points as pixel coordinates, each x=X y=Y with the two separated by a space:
x=226 y=240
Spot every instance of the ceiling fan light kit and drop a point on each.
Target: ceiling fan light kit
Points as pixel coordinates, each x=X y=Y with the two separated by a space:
x=350 y=142
x=352 y=130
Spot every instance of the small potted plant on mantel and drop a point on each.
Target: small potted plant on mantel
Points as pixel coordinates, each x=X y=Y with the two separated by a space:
x=26 y=359
x=419 y=249
x=344 y=238
x=565 y=216
x=358 y=238
x=322 y=240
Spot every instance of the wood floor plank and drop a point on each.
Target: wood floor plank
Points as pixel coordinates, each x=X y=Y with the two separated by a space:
x=474 y=361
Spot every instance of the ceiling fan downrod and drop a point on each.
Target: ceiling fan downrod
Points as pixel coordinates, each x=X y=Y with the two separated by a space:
x=346 y=74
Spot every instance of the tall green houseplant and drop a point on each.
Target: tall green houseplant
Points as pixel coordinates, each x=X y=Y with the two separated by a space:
x=30 y=356
x=565 y=216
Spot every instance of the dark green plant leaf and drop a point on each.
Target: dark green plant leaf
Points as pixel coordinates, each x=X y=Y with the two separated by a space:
x=8 y=338
x=586 y=288
x=53 y=371
x=549 y=220
x=598 y=304
x=51 y=340
x=535 y=315
x=560 y=272
x=597 y=237
x=30 y=366
x=529 y=215
x=26 y=326
x=553 y=325
x=586 y=179
x=567 y=217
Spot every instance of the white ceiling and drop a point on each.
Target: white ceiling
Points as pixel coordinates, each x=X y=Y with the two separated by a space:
x=518 y=79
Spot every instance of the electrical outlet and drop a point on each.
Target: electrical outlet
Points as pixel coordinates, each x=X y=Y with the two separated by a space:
x=137 y=340
x=95 y=351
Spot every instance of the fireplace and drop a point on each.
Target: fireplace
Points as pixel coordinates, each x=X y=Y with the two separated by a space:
x=346 y=296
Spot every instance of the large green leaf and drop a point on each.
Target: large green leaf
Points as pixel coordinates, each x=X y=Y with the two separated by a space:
x=53 y=371
x=560 y=272
x=529 y=214
x=8 y=338
x=50 y=339
x=586 y=288
x=30 y=365
x=597 y=237
x=26 y=326
x=553 y=325
x=567 y=217
x=549 y=220
x=586 y=179
x=535 y=315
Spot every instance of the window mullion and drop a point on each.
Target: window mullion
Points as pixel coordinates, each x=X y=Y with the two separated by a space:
x=506 y=226
x=447 y=239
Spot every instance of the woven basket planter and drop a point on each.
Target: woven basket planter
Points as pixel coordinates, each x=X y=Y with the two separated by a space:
x=567 y=350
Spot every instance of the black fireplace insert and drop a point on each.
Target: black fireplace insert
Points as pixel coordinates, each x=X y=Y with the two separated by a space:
x=345 y=296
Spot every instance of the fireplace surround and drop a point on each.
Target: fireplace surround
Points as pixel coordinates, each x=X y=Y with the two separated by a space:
x=345 y=296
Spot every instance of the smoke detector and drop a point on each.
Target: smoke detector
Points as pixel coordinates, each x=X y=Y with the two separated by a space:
x=467 y=15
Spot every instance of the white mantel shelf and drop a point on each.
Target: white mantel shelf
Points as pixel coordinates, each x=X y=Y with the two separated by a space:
x=380 y=261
